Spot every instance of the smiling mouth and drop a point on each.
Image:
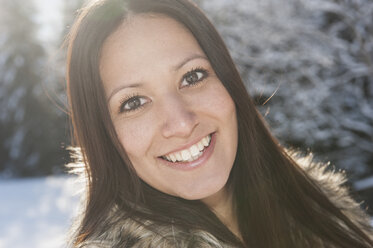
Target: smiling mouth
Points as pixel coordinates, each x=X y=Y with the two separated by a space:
x=190 y=154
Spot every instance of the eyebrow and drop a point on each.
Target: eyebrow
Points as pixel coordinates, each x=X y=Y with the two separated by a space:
x=175 y=68
x=189 y=58
x=134 y=85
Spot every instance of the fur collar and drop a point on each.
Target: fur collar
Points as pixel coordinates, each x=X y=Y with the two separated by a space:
x=130 y=234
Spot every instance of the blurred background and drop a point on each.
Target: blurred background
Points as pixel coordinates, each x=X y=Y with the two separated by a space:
x=307 y=64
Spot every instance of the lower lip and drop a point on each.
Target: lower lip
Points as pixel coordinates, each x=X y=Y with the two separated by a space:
x=196 y=163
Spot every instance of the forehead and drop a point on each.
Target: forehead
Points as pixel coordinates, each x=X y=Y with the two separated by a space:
x=145 y=41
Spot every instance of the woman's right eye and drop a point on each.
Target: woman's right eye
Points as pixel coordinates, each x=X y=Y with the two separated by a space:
x=132 y=103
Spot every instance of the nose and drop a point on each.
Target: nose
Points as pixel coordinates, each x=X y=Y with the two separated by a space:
x=178 y=117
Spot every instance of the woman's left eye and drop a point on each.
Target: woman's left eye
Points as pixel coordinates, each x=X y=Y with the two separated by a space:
x=193 y=77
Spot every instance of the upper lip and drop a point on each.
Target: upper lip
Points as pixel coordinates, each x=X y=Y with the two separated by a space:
x=185 y=146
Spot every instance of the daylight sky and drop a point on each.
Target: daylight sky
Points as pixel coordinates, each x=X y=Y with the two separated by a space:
x=49 y=16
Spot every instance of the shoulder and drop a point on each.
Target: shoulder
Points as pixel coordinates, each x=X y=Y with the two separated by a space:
x=131 y=234
x=332 y=183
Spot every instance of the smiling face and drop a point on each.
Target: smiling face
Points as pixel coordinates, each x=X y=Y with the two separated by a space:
x=171 y=113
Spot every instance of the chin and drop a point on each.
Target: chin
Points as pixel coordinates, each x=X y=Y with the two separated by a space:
x=199 y=193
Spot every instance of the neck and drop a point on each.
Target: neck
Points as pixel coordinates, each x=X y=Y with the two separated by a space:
x=221 y=204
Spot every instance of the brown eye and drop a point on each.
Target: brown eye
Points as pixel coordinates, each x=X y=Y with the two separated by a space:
x=135 y=103
x=193 y=77
x=132 y=104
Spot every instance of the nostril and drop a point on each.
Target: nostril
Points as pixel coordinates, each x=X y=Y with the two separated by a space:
x=177 y=115
x=178 y=125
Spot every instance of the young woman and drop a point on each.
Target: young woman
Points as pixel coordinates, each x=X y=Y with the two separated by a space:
x=175 y=153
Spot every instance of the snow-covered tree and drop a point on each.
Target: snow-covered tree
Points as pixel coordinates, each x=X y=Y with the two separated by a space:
x=313 y=60
x=31 y=131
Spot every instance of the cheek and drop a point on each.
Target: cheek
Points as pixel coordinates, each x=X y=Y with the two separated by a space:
x=134 y=135
x=219 y=103
x=221 y=107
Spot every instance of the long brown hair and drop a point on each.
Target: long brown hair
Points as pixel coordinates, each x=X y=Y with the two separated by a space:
x=276 y=203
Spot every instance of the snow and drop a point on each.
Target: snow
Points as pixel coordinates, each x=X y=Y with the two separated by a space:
x=313 y=60
x=363 y=184
x=37 y=213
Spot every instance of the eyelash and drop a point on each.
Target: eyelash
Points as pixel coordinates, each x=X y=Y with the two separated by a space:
x=196 y=70
x=136 y=96
x=127 y=100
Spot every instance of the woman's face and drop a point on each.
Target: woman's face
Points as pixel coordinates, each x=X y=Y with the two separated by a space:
x=172 y=115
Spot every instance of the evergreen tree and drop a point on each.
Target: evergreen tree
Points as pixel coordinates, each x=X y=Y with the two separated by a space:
x=314 y=61
x=31 y=131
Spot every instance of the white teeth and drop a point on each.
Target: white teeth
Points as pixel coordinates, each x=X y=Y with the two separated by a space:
x=190 y=154
x=178 y=156
x=205 y=142
x=200 y=146
x=186 y=154
x=173 y=157
x=197 y=156
x=194 y=150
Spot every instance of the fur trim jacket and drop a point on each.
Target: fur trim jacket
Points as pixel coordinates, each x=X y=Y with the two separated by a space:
x=130 y=234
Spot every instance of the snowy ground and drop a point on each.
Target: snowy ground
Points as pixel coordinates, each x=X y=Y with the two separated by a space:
x=36 y=213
